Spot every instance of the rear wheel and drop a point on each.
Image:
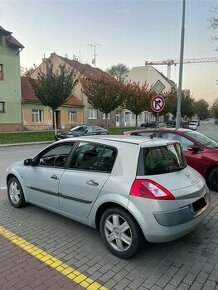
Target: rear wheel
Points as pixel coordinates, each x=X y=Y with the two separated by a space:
x=213 y=179
x=15 y=193
x=120 y=232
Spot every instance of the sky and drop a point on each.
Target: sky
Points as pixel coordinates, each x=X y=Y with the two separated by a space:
x=128 y=32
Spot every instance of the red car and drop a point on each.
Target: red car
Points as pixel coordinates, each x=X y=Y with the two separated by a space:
x=201 y=152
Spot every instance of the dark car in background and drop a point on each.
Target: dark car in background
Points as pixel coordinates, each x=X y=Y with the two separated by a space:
x=201 y=152
x=83 y=130
x=149 y=124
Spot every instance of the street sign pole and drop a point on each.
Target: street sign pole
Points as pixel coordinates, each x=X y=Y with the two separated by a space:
x=157 y=125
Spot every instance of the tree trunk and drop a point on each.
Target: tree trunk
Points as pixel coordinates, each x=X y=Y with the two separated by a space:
x=106 y=115
x=136 y=120
x=55 y=122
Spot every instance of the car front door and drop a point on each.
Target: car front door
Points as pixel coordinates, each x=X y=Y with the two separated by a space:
x=42 y=178
x=82 y=182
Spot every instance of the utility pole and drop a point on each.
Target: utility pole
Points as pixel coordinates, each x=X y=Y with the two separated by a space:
x=179 y=92
x=94 y=45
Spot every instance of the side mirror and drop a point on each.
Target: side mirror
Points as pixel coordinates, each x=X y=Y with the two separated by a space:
x=29 y=162
x=194 y=148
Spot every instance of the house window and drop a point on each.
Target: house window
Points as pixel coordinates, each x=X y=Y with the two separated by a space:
x=37 y=116
x=2 y=107
x=1 y=72
x=1 y=40
x=108 y=116
x=72 y=117
x=92 y=113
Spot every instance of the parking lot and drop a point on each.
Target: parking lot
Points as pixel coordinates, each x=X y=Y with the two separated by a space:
x=188 y=263
x=43 y=250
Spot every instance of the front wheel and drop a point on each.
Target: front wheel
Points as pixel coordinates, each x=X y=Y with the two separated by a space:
x=120 y=232
x=15 y=193
x=213 y=179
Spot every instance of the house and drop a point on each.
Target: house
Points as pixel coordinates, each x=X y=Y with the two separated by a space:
x=10 y=86
x=36 y=116
x=142 y=75
x=91 y=115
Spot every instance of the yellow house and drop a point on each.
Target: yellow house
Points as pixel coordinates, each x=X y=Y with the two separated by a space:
x=39 y=117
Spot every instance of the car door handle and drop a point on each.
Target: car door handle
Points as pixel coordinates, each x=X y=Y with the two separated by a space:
x=92 y=182
x=54 y=176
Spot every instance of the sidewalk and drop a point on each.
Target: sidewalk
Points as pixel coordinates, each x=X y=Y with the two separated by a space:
x=20 y=270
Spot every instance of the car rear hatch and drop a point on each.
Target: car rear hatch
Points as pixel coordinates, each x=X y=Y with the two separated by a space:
x=167 y=166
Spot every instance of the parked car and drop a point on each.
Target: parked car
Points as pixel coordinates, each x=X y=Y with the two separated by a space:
x=83 y=130
x=200 y=151
x=149 y=124
x=172 y=124
x=193 y=125
x=151 y=194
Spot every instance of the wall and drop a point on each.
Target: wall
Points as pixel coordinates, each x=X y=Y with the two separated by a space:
x=10 y=88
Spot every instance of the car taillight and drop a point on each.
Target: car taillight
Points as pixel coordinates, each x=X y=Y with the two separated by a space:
x=150 y=189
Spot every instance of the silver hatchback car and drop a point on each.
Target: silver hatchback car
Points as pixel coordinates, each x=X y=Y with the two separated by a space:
x=127 y=187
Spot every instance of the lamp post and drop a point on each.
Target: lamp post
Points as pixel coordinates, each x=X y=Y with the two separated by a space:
x=179 y=91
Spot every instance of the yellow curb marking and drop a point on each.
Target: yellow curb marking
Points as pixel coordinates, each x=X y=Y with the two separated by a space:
x=54 y=263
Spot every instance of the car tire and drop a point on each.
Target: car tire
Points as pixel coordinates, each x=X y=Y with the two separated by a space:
x=15 y=193
x=213 y=179
x=120 y=232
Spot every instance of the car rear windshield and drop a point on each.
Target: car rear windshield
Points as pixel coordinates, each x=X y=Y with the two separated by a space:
x=201 y=138
x=162 y=159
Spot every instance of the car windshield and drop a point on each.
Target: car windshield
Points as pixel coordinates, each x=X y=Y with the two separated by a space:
x=163 y=159
x=79 y=128
x=201 y=138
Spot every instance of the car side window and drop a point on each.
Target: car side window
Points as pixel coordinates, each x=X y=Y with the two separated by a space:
x=93 y=157
x=183 y=141
x=56 y=156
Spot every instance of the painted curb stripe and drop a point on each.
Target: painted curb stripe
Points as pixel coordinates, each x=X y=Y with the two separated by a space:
x=52 y=262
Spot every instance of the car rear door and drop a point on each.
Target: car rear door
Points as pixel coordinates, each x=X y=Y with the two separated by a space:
x=82 y=182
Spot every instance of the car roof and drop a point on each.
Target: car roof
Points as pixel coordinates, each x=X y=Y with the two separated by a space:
x=118 y=139
x=173 y=130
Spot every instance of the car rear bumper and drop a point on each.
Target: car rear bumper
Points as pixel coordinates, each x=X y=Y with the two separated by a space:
x=166 y=221
x=184 y=214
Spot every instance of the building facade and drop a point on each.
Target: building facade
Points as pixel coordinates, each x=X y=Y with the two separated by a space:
x=10 y=85
x=91 y=115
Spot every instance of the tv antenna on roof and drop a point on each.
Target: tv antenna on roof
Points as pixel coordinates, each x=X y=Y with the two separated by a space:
x=94 y=45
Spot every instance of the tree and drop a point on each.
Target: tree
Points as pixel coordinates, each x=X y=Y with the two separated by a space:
x=187 y=104
x=53 y=87
x=118 y=71
x=201 y=109
x=137 y=98
x=215 y=109
x=103 y=94
x=214 y=23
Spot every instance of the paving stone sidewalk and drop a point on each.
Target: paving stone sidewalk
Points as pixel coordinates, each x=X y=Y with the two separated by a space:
x=20 y=270
x=188 y=263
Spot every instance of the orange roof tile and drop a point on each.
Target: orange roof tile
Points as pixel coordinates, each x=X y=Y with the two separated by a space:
x=29 y=96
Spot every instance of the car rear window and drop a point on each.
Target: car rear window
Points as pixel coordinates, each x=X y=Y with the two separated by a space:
x=161 y=159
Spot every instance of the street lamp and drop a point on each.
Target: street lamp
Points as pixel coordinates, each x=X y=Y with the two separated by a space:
x=179 y=91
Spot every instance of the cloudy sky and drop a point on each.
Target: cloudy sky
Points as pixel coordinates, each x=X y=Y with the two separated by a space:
x=128 y=32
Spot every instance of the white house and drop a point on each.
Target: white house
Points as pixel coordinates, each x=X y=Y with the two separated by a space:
x=142 y=75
